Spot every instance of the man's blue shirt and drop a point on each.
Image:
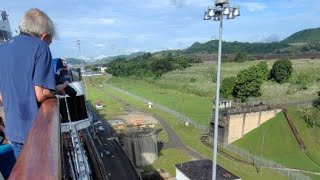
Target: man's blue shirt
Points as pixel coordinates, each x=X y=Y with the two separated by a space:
x=25 y=61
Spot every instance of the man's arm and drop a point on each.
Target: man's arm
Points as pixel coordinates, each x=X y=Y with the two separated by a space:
x=43 y=93
x=0 y=98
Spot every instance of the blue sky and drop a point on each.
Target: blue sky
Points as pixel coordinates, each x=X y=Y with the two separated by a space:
x=113 y=27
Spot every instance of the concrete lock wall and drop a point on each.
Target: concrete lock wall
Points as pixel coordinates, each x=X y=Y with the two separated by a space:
x=235 y=128
x=241 y=124
x=141 y=150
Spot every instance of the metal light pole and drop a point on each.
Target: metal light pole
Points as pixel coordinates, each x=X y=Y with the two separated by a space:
x=217 y=12
x=78 y=42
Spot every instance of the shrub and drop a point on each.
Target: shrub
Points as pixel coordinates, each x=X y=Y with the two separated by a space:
x=227 y=86
x=241 y=57
x=263 y=69
x=193 y=79
x=301 y=80
x=248 y=83
x=281 y=71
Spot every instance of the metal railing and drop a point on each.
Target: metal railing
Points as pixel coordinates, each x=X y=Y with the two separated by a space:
x=40 y=157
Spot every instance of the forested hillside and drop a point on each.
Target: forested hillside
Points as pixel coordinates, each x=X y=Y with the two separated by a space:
x=234 y=47
x=308 y=36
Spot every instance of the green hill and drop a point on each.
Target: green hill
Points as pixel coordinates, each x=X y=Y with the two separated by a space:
x=111 y=58
x=74 y=61
x=280 y=145
x=234 y=47
x=305 y=36
x=300 y=42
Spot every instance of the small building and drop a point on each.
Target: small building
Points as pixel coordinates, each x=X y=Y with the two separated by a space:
x=99 y=105
x=103 y=69
x=150 y=104
x=224 y=103
x=201 y=170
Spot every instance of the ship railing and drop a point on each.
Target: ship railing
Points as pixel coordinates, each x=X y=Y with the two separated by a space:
x=40 y=157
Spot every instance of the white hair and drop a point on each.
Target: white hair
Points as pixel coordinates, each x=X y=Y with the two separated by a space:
x=36 y=23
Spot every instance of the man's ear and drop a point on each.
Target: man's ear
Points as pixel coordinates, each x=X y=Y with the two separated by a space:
x=43 y=36
x=46 y=38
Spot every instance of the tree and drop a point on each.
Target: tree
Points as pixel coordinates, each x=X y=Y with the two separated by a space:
x=248 y=83
x=263 y=69
x=241 y=57
x=227 y=86
x=161 y=66
x=281 y=70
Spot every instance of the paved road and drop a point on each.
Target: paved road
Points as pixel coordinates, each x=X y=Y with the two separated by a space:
x=175 y=141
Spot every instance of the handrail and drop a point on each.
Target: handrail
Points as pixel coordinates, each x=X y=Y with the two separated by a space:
x=40 y=155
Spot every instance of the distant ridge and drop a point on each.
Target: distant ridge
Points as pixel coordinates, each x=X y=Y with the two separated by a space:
x=234 y=47
x=305 y=36
x=305 y=41
x=111 y=58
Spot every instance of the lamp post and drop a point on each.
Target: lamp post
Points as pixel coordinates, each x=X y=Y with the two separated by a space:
x=78 y=42
x=216 y=13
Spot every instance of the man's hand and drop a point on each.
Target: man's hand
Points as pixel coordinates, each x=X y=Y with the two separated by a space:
x=43 y=93
x=60 y=88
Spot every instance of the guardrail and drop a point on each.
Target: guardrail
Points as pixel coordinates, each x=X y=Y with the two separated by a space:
x=40 y=157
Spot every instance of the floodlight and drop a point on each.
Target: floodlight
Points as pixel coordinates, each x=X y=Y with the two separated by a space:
x=230 y=16
x=206 y=17
x=226 y=10
x=211 y=12
x=236 y=11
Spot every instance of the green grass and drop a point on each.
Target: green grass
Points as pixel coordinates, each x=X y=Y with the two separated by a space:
x=163 y=136
x=112 y=108
x=191 y=137
x=167 y=159
x=280 y=144
x=310 y=136
x=196 y=107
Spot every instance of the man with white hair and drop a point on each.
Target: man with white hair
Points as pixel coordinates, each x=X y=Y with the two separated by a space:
x=27 y=78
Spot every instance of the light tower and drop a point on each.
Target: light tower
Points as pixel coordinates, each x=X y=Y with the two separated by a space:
x=216 y=13
x=78 y=42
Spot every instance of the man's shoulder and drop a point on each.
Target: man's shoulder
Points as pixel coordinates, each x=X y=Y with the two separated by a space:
x=22 y=40
x=29 y=39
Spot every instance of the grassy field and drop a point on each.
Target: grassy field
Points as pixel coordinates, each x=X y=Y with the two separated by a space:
x=167 y=159
x=190 y=137
x=109 y=112
x=196 y=107
x=198 y=79
x=310 y=136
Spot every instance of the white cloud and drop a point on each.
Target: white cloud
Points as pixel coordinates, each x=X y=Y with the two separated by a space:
x=254 y=6
x=99 y=45
x=98 y=21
